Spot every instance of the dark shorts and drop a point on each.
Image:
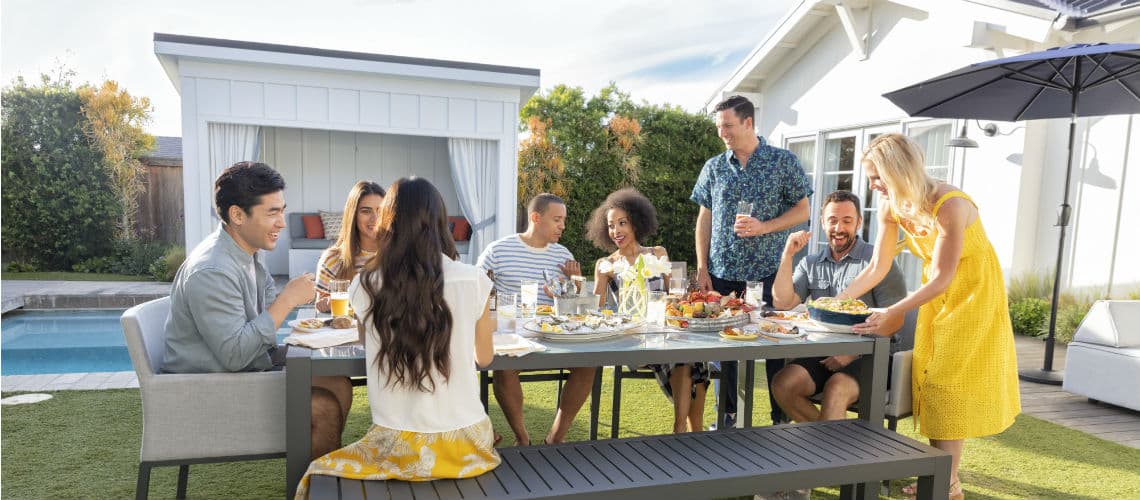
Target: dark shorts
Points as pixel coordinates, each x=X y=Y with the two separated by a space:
x=820 y=374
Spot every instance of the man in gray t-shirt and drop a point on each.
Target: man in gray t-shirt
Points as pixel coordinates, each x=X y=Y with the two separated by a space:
x=825 y=274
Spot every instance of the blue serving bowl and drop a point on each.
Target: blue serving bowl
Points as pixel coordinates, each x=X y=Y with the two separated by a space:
x=836 y=318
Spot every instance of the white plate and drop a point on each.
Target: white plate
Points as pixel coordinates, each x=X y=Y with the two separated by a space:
x=510 y=342
x=296 y=324
x=579 y=337
x=831 y=327
x=536 y=327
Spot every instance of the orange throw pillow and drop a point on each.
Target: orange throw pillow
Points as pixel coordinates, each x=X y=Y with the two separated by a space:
x=460 y=228
x=314 y=230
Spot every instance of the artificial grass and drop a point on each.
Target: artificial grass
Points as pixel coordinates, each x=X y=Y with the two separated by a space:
x=84 y=444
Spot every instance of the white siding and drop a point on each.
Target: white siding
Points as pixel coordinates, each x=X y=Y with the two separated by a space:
x=320 y=167
x=1016 y=179
x=324 y=130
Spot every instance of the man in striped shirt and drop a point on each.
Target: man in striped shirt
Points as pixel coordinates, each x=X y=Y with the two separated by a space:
x=523 y=257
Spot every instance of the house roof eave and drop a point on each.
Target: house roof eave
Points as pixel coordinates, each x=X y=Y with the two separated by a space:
x=171 y=48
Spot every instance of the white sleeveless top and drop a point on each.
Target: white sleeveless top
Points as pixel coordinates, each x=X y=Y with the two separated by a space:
x=455 y=403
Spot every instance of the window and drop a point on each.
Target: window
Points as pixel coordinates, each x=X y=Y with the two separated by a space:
x=839 y=166
x=933 y=138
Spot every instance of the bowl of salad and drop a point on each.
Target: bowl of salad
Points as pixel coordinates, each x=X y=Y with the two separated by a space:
x=835 y=311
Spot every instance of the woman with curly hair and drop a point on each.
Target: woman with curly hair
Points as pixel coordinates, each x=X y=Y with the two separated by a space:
x=426 y=324
x=624 y=220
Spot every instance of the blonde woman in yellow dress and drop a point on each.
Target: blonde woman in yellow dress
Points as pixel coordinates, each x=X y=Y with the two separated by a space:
x=965 y=368
x=426 y=327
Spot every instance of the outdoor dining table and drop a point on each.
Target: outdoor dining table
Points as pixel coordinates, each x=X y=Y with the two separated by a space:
x=643 y=346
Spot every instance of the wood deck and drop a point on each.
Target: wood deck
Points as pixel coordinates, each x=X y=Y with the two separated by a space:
x=1051 y=403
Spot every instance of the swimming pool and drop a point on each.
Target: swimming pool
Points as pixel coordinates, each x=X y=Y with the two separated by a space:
x=67 y=341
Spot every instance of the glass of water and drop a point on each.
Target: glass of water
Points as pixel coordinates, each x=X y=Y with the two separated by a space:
x=505 y=309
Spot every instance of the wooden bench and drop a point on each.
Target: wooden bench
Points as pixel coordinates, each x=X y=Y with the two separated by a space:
x=699 y=465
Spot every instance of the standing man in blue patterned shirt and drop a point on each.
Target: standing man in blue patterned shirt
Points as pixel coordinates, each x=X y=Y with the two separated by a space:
x=731 y=250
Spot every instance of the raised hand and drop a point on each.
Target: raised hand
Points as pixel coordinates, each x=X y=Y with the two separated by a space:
x=796 y=242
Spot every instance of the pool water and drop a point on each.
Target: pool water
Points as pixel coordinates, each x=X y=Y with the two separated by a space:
x=67 y=341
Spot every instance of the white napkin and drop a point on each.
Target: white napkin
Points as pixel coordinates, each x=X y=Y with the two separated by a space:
x=514 y=345
x=325 y=337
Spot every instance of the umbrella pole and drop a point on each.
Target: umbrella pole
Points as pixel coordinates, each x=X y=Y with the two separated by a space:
x=1047 y=375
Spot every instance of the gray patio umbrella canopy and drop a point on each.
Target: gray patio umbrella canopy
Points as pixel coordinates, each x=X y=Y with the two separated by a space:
x=1062 y=82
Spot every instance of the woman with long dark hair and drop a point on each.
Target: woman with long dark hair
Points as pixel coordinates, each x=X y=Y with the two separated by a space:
x=356 y=243
x=426 y=326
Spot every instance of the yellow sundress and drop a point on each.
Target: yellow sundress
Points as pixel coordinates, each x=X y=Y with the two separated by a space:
x=965 y=366
x=385 y=453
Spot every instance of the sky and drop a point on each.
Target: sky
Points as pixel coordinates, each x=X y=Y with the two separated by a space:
x=661 y=51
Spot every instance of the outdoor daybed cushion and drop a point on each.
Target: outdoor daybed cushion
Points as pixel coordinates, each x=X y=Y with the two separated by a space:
x=298 y=236
x=1103 y=361
x=314 y=229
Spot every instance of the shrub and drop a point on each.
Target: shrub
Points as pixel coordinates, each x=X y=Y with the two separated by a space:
x=607 y=142
x=1029 y=315
x=167 y=266
x=1030 y=285
x=58 y=207
x=1069 y=317
x=94 y=265
x=17 y=266
x=134 y=256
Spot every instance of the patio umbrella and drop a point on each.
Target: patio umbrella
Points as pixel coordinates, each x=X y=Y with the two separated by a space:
x=1062 y=82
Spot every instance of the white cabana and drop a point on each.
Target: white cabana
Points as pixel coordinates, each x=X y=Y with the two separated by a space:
x=328 y=118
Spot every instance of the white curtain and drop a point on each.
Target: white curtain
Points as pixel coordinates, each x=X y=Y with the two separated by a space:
x=474 y=170
x=229 y=144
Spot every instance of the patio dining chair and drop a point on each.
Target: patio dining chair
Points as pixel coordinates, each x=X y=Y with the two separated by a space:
x=200 y=417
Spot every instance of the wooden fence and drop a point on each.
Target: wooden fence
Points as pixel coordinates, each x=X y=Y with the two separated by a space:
x=160 y=215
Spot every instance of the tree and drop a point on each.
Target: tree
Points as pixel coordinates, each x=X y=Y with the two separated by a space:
x=540 y=165
x=59 y=208
x=607 y=142
x=115 y=121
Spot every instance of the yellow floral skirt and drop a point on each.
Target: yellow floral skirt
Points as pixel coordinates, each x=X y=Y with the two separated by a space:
x=385 y=453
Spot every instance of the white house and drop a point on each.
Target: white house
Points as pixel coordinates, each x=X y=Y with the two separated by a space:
x=328 y=118
x=817 y=81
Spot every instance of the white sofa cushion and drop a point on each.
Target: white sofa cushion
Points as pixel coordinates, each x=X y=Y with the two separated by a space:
x=1113 y=323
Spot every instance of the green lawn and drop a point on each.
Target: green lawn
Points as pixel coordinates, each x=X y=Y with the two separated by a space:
x=68 y=276
x=84 y=444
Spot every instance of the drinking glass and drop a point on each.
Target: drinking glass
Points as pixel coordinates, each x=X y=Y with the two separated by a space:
x=678 y=286
x=505 y=309
x=743 y=209
x=338 y=298
x=655 y=309
x=528 y=298
x=754 y=296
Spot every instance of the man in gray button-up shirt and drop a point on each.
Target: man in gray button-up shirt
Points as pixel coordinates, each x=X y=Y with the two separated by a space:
x=224 y=309
x=825 y=274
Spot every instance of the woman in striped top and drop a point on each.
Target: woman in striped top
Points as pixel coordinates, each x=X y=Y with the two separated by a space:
x=356 y=242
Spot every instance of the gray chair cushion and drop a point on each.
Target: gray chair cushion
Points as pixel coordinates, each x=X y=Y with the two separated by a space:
x=190 y=416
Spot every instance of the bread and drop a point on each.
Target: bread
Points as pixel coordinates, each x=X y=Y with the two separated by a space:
x=342 y=322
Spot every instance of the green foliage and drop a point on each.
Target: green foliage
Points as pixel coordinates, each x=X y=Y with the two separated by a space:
x=1029 y=315
x=59 y=209
x=135 y=256
x=607 y=142
x=1030 y=285
x=1069 y=317
x=115 y=121
x=20 y=267
x=167 y=266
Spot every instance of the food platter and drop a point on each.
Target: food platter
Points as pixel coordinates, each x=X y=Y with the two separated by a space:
x=838 y=312
x=706 y=324
x=580 y=328
x=705 y=311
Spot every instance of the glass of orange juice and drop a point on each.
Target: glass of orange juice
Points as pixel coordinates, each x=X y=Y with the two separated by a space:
x=338 y=297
